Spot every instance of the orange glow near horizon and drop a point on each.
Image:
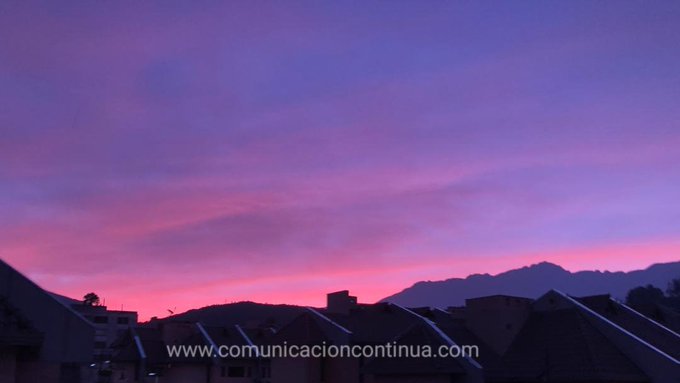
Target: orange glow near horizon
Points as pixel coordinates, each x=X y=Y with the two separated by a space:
x=370 y=285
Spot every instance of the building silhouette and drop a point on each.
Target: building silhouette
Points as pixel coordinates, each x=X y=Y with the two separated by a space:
x=555 y=338
x=41 y=339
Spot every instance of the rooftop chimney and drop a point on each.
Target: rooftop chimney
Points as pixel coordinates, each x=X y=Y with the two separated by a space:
x=340 y=302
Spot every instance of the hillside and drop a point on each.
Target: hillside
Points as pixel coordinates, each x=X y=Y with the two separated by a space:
x=242 y=313
x=532 y=281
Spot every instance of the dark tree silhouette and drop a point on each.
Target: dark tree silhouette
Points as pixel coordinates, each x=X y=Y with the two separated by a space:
x=673 y=290
x=91 y=299
x=644 y=297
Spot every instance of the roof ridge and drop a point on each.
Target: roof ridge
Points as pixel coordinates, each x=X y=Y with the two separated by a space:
x=50 y=294
x=138 y=343
x=409 y=311
x=334 y=323
x=439 y=332
x=207 y=336
x=588 y=310
x=655 y=323
x=247 y=339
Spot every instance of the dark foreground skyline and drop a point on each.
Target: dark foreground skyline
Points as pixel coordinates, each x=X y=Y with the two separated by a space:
x=174 y=155
x=490 y=339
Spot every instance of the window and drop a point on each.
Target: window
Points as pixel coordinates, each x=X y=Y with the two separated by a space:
x=265 y=371
x=101 y=319
x=236 y=372
x=99 y=344
x=123 y=320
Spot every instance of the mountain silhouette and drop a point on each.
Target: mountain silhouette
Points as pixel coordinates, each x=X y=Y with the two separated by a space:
x=533 y=281
x=241 y=313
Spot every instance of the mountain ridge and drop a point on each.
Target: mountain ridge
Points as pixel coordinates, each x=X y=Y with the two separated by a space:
x=521 y=281
x=532 y=281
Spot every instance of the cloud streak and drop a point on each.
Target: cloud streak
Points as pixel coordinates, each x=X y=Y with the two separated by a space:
x=176 y=154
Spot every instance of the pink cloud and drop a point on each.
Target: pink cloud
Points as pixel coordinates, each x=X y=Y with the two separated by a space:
x=182 y=155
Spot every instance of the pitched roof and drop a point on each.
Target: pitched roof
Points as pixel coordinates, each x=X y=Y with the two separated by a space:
x=458 y=331
x=669 y=317
x=72 y=342
x=259 y=335
x=645 y=328
x=312 y=327
x=561 y=345
x=375 y=324
x=146 y=342
x=152 y=344
x=418 y=334
x=227 y=336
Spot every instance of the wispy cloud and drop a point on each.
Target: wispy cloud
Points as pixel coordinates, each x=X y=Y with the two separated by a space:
x=185 y=154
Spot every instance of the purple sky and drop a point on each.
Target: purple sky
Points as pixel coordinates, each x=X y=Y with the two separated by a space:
x=177 y=154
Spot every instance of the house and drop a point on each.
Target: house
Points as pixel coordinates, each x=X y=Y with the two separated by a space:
x=109 y=325
x=454 y=325
x=423 y=369
x=648 y=330
x=556 y=338
x=42 y=339
x=566 y=339
x=142 y=355
x=311 y=328
x=344 y=322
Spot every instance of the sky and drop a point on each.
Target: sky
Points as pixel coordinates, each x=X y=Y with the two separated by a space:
x=176 y=154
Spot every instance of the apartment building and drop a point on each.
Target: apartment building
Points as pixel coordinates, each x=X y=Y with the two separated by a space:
x=109 y=325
